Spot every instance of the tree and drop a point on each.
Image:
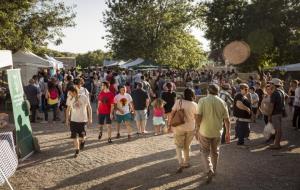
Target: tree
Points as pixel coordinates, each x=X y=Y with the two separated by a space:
x=31 y=23
x=94 y=58
x=156 y=30
x=269 y=27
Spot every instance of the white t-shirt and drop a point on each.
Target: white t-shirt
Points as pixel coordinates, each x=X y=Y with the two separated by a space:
x=79 y=108
x=123 y=102
x=82 y=91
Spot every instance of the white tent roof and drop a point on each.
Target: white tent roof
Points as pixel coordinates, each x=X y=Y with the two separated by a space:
x=55 y=63
x=133 y=63
x=291 y=67
x=27 y=57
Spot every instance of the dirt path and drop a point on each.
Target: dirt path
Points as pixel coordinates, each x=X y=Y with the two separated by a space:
x=149 y=163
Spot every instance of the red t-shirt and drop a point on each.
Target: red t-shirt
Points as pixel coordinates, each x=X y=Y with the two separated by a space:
x=105 y=99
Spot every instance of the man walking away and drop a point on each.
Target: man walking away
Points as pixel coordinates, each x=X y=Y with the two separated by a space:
x=140 y=106
x=277 y=107
x=212 y=111
x=32 y=94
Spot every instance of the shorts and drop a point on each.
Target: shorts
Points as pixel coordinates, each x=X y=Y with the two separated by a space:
x=140 y=115
x=123 y=118
x=77 y=128
x=277 y=121
x=158 y=121
x=104 y=118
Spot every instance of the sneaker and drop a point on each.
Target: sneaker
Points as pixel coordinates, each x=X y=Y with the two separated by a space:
x=76 y=153
x=179 y=170
x=100 y=136
x=210 y=175
x=109 y=141
x=82 y=145
x=118 y=135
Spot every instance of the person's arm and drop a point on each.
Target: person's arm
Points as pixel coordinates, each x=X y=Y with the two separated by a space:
x=241 y=106
x=227 y=126
x=271 y=108
x=89 y=112
x=68 y=116
x=198 y=119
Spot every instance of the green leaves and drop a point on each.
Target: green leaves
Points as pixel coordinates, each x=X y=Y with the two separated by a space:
x=29 y=23
x=269 y=27
x=154 y=30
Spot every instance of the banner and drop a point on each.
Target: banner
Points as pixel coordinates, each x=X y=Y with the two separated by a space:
x=5 y=58
x=21 y=113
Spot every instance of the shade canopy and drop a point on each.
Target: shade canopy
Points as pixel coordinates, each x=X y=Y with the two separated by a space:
x=29 y=58
x=136 y=62
x=291 y=67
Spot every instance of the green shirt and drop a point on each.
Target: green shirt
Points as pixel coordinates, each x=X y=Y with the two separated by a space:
x=213 y=110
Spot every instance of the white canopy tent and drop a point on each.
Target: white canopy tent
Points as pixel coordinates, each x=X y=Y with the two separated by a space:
x=133 y=63
x=291 y=67
x=55 y=63
x=29 y=63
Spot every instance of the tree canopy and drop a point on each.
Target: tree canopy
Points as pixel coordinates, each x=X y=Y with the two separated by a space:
x=271 y=28
x=30 y=24
x=92 y=58
x=156 y=30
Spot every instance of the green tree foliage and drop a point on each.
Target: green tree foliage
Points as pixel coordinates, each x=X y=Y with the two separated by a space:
x=93 y=58
x=31 y=23
x=156 y=30
x=271 y=28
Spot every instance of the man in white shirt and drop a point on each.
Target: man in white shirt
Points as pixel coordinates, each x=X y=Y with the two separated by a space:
x=79 y=113
x=123 y=107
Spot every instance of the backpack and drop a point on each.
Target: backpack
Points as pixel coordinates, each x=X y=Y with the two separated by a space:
x=53 y=94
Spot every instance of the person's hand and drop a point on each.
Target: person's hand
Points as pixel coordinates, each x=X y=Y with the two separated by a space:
x=111 y=116
x=227 y=138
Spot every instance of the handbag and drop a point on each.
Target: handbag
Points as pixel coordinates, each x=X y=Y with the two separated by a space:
x=178 y=116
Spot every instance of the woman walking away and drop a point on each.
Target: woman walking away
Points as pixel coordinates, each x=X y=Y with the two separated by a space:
x=79 y=112
x=158 y=114
x=184 y=134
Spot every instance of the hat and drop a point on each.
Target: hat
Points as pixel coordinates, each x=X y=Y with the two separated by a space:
x=213 y=89
x=276 y=82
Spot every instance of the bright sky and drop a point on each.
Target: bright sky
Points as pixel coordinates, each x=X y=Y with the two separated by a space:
x=88 y=32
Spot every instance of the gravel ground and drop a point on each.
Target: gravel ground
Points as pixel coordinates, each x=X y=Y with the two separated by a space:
x=149 y=162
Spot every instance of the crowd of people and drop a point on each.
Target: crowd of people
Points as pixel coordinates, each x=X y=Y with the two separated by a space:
x=124 y=95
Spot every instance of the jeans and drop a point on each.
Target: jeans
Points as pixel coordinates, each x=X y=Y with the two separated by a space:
x=242 y=130
x=33 y=109
x=54 y=109
x=296 y=117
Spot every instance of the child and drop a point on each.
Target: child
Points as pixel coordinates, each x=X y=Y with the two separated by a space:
x=158 y=114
